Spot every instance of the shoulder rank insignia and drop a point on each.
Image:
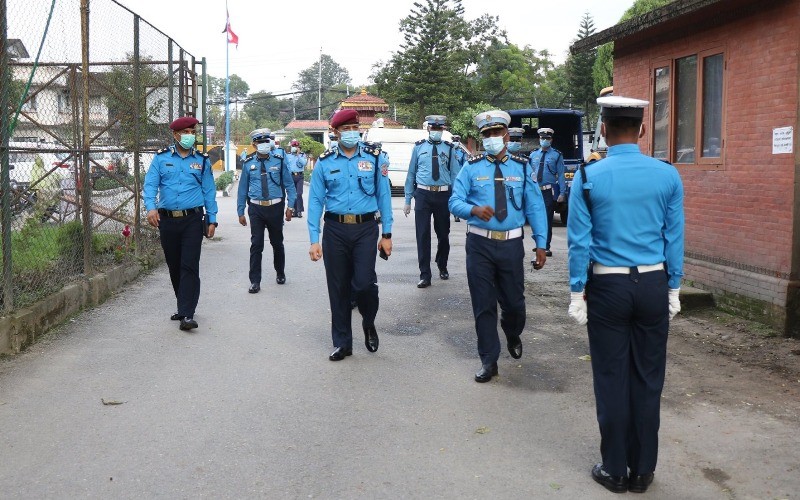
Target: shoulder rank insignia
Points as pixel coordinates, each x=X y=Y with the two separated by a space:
x=326 y=154
x=250 y=156
x=421 y=141
x=163 y=150
x=277 y=154
x=475 y=158
x=448 y=143
x=520 y=158
x=372 y=149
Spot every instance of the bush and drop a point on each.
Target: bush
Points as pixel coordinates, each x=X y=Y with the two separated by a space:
x=70 y=244
x=224 y=180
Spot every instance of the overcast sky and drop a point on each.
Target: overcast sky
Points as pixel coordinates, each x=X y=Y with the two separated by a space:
x=278 y=40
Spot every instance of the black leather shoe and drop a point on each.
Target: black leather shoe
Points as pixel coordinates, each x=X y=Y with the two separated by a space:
x=299 y=215
x=424 y=283
x=254 y=288
x=486 y=373
x=188 y=324
x=444 y=274
x=371 y=338
x=339 y=354
x=514 y=346
x=176 y=317
x=456 y=219
x=548 y=253
x=281 y=279
x=616 y=484
x=638 y=483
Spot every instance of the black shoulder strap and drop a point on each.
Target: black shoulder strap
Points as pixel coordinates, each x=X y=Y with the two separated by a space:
x=585 y=190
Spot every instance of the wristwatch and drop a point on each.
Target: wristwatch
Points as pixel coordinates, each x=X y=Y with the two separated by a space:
x=386 y=236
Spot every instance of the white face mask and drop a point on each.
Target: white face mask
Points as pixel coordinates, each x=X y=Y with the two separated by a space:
x=263 y=147
x=294 y=150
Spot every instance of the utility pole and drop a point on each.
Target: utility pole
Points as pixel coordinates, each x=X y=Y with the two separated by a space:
x=319 y=88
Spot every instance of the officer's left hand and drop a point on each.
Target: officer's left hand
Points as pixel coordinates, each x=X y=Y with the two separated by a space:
x=315 y=252
x=560 y=199
x=541 y=257
x=211 y=230
x=674 y=302
x=386 y=244
x=242 y=220
x=289 y=213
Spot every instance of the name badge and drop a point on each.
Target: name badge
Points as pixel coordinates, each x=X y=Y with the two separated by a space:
x=483 y=178
x=365 y=166
x=335 y=171
x=513 y=179
x=196 y=166
x=275 y=168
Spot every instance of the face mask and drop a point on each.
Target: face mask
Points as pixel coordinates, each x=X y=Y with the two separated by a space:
x=545 y=143
x=513 y=147
x=493 y=145
x=294 y=150
x=263 y=147
x=334 y=144
x=435 y=135
x=187 y=141
x=349 y=138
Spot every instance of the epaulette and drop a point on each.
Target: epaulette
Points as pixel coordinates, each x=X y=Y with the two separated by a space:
x=448 y=143
x=421 y=141
x=475 y=158
x=326 y=154
x=665 y=161
x=372 y=149
x=162 y=150
x=593 y=160
x=519 y=158
x=277 y=155
x=250 y=156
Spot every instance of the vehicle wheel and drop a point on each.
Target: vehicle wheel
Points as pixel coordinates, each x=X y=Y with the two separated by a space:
x=564 y=214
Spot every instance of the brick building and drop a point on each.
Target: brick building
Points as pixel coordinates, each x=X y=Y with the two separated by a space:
x=722 y=79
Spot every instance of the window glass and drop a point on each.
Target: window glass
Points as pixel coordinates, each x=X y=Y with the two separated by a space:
x=661 y=113
x=712 y=105
x=686 y=108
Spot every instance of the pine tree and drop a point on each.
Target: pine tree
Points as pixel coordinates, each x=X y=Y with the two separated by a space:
x=579 y=72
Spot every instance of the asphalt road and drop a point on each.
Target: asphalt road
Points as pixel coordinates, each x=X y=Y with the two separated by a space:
x=248 y=405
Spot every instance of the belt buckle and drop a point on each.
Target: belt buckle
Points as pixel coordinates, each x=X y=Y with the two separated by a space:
x=498 y=235
x=349 y=218
x=177 y=213
x=435 y=189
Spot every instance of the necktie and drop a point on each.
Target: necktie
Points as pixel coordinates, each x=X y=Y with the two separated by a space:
x=500 y=202
x=264 y=187
x=541 y=169
x=435 y=163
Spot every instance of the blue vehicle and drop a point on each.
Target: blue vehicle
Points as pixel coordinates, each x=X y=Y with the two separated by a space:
x=568 y=138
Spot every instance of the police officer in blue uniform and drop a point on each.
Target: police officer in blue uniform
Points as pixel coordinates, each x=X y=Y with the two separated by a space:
x=515 y=141
x=351 y=184
x=333 y=141
x=497 y=193
x=296 y=161
x=264 y=182
x=625 y=234
x=178 y=187
x=548 y=163
x=431 y=172
x=461 y=154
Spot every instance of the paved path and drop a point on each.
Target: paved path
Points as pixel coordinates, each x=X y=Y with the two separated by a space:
x=248 y=405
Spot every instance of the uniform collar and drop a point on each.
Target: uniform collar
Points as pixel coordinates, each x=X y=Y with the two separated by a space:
x=494 y=159
x=623 y=148
x=174 y=150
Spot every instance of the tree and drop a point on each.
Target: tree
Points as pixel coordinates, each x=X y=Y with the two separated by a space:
x=463 y=123
x=264 y=110
x=603 y=70
x=507 y=77
x=237 y=88
x=579 y=72
x=335 y=81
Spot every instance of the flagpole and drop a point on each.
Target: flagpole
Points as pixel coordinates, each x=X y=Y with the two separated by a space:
x=227 y=106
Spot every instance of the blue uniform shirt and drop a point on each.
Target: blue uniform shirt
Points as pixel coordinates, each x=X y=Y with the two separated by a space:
x=636 y=218
x=180 y=183
x=553 y=167
x=474 y=187
x=296 y=162
x=277 y=176
x=345 y=185
x=420 y=168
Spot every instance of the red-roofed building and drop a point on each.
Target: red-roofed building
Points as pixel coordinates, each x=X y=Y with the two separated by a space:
x=368 y=107
x=315 y=129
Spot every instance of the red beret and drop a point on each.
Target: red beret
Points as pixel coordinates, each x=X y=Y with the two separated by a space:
x=184 y=122
x=344 y=117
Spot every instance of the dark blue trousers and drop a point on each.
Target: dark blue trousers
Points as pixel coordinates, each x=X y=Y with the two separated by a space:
x=181 y=239
x=298 y=185
x=628 y=324
x=495 y=275
x=550 y=209
x=429 y=203
x=349 y=252
x=271 y=219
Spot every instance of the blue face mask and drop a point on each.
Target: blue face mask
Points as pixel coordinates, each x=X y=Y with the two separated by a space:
x=334 y=144
x=493 y=145
x=435 y=135
x=187 y=141
x=545 y=143
x=349 y=138
x=514 y=147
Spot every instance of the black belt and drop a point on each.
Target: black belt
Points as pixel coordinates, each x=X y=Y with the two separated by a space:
x=172 y=214
x=350 y=218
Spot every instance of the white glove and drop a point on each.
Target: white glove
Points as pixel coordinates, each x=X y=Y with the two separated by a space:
x=577 y=308
x=406 y=210
x=674 y=302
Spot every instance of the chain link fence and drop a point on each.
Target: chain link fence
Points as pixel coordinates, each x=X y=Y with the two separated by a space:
x=86 y=98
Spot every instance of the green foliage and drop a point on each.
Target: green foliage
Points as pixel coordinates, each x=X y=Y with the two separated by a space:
x=69 y=241
x=463 y=123
x=335 y=80
x=265 y=111
x=311 y=147
x=554 y=91
x=507 y=77
x=105 y=183
x=224 y=180
x=580 y=74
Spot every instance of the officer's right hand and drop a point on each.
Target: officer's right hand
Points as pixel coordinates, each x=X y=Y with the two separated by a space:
x=406 y=210
x=152 y=217
x=577 y=308
x=315 y=252
x=242 y=220
x=484 y=213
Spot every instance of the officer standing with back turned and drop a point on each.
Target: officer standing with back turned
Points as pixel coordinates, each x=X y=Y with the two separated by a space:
x=351 y=183
x=177 y=188
x=497 y=194
x=265 y=188
x=625 y=234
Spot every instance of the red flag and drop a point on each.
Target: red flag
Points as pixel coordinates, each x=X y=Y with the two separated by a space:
x=232 y=37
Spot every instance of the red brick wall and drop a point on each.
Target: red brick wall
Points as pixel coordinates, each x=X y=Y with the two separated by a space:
x=741 y=213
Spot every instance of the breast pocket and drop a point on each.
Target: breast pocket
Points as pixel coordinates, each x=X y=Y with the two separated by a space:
x=514 y=190
x=333 y=180
x=366 y=180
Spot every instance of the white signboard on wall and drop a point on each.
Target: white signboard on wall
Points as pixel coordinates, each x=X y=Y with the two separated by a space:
x=782 y=140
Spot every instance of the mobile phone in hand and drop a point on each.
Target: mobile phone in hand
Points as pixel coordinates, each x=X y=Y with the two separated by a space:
x=382 y=254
